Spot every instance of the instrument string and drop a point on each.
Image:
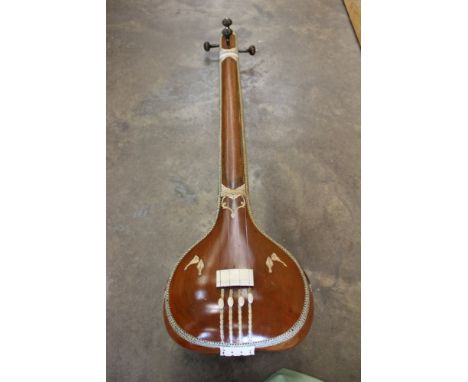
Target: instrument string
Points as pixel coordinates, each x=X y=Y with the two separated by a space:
x=221 y=315
x=230 y=304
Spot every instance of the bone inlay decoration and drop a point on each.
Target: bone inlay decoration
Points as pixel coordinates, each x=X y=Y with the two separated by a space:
x=233 y=194
x=200 y=267
x=199 y=262
x=270 y=262
x=225 y=53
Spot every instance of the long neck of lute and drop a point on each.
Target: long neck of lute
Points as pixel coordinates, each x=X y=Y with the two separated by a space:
x=232 y=140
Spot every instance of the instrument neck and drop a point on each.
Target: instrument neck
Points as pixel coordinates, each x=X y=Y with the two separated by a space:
x=232 y=140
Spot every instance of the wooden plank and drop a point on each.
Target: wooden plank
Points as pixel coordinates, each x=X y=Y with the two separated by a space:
x=354 y=12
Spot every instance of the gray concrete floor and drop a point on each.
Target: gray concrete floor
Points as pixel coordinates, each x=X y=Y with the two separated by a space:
x=302 y=118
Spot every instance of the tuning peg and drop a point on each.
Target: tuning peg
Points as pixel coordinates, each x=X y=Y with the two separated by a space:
x=207 y=46
x=251 y=50
x=227 y=31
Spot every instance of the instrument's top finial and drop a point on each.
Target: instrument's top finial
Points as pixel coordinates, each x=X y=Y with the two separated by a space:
x=227 y=22
x=227 y=31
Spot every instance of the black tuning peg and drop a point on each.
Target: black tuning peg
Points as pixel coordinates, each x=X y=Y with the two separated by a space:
x=251 y=50
x=227 y=31
x=207 y=46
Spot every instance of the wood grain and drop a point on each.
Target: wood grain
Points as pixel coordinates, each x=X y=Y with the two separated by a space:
x=354 y=11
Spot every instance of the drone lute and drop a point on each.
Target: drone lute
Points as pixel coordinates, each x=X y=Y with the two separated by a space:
x=236 y=291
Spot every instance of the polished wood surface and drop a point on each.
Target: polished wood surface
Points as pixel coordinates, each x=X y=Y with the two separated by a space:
x=278 y=296
x=235 y=242
x=232 y=149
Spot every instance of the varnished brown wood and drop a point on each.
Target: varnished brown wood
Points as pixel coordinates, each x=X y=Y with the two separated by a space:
x=236 y=242
x=232 y=149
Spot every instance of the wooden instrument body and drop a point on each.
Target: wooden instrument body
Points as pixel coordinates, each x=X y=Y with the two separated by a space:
x=276 y=312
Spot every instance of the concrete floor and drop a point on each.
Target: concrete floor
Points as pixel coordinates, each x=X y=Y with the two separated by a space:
x=302 y=119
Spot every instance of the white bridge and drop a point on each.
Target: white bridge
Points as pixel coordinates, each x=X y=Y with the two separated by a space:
x=234 y=278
